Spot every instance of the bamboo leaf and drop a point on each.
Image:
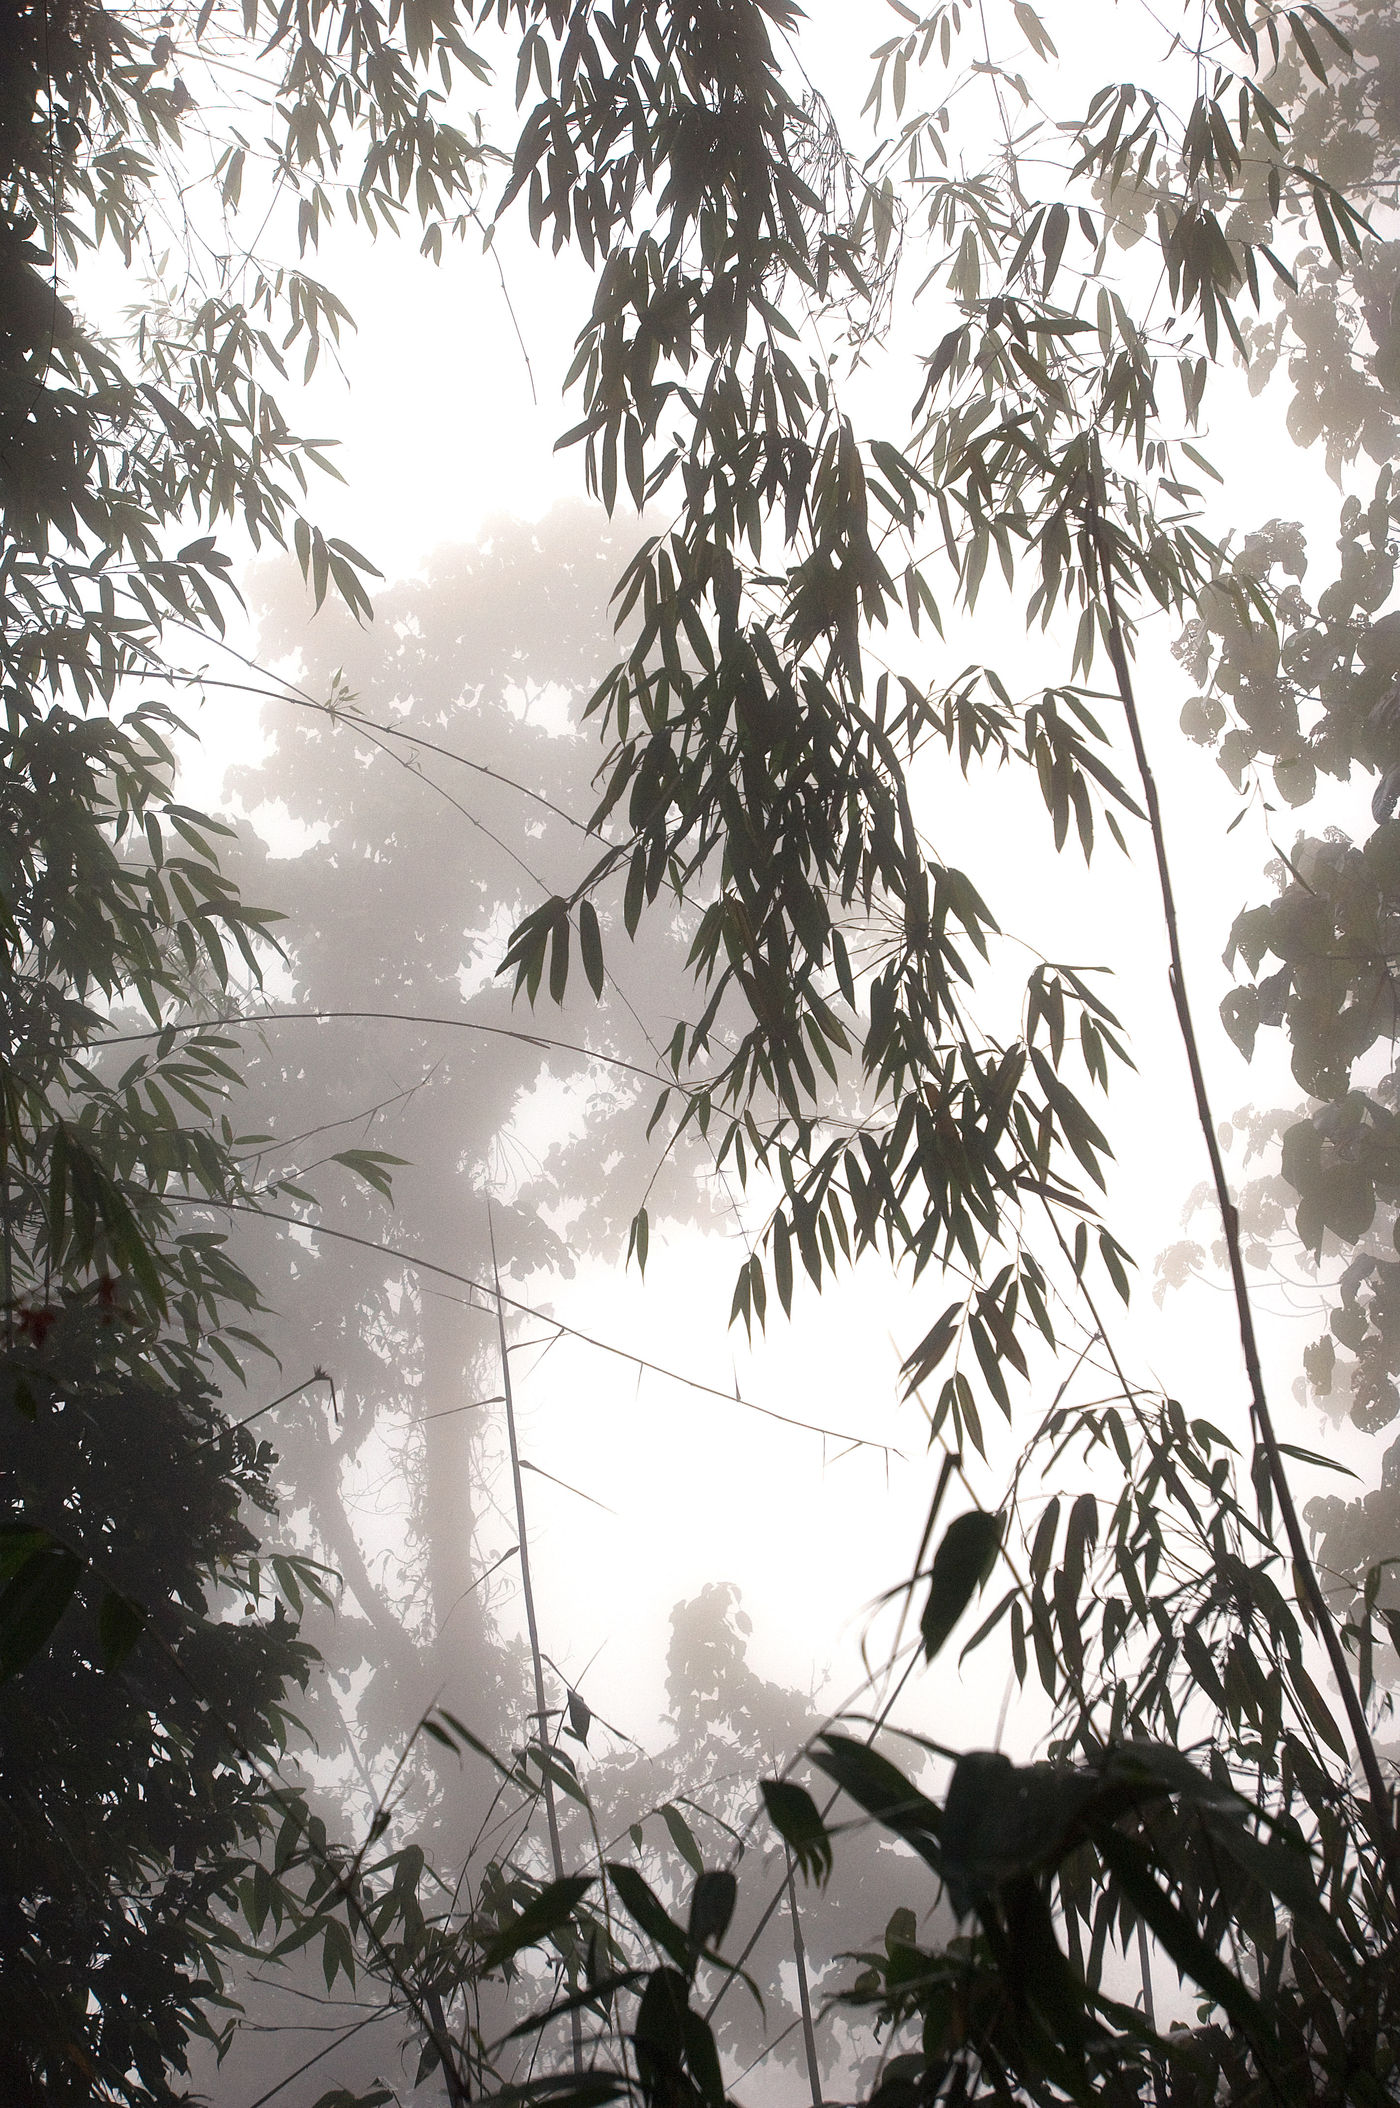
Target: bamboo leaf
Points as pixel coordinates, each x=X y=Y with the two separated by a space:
x=962 y=1564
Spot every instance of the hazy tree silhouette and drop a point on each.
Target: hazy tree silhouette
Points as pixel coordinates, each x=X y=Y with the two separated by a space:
x=434 y=801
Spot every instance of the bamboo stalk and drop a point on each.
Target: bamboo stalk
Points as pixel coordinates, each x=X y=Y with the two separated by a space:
x=536 y=1659
x=799 y=1951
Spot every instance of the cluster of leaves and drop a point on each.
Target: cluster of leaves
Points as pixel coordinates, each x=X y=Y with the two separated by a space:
x=1181 y=1558
x=596 y=1930
x=1335 y=338
x=1156 y=1623
x=1161 y=1846
x=108 y=443
x=671 y=2041
x=138 y=1721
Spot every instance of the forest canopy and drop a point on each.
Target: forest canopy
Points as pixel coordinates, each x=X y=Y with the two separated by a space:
x=858 y=397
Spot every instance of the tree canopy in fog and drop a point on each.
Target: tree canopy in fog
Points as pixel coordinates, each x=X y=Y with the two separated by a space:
x=608 y=887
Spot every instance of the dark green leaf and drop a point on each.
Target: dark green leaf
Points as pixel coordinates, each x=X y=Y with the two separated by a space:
x=712 y=1903
x=682 y=1837
x=962 y=1564
x=580 y=1717
x=797 y=1820
x=545 y=1914
x=120 y=1623
x=642 y=1906
x=876 y=1785
x=590 y=944
x=34 y=1599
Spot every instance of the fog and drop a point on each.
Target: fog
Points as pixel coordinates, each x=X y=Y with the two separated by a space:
x=713 y=1519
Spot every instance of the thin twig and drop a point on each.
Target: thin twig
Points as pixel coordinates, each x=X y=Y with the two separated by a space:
x=587 y=1339
x=556 y=1852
